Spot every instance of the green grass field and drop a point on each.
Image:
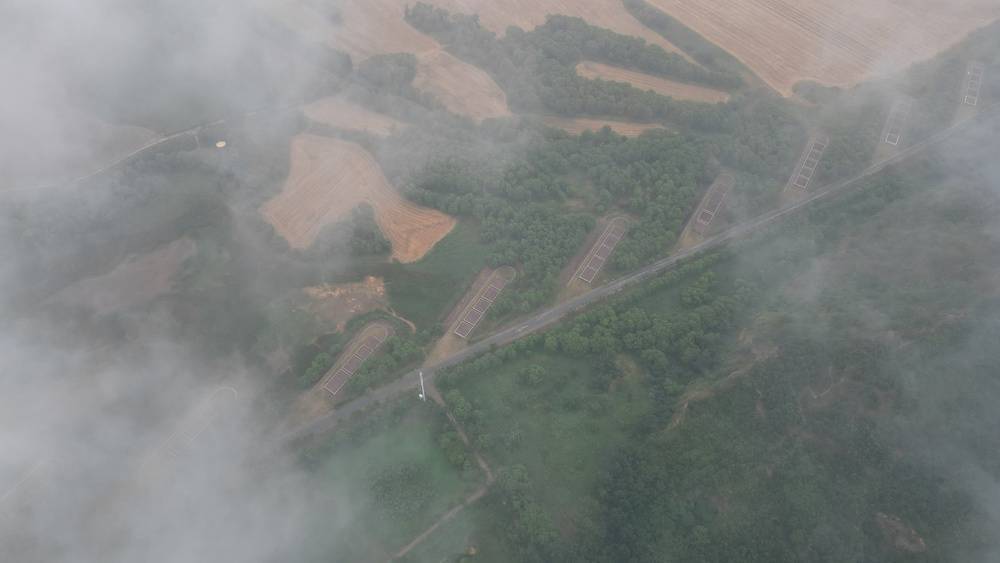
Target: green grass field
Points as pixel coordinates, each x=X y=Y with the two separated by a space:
x=425 y=291
x=385 y=479
x=455 y=538
x=563 y=429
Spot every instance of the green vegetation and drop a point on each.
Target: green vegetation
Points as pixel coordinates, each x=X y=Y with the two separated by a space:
x=761 y=403
x=566 y=40
x=366 y=237
x=699 y=48
x=381 y=480
x=393 y=75
x=526 y=415
x=425 y=291
x=398 y=352
x=537 y=68
x=779 y=417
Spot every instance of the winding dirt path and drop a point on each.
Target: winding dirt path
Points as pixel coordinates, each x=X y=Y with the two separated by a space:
x=435 y=395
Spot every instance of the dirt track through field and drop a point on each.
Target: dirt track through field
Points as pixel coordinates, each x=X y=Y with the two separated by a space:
x=581 y=124
x=834 y=42
x=342 y=114
x=643 y=81
x=473 y=497
x=329 y=178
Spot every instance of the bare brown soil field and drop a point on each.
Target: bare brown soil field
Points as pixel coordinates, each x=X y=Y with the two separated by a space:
x=361 y=28
x=498 y=15
x=461 y=87
x=580 y=124
x=339 y=303
x=642 y=81
x=834 y=42
x=330 y=177
x=342 y=114
x=374 y=27
x=135 y=281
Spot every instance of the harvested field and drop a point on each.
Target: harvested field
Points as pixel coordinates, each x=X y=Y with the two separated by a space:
x=342 y=114
x=135 y=281
x=461 y=87
x=362 y=29
x=376 y=27
x=498 y=15
x=642 y=81
x=579 y=125
x=833 y=42
x=339 y=303
x=330 y=177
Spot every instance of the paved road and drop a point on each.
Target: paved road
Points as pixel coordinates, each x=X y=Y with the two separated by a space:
x=544 y=319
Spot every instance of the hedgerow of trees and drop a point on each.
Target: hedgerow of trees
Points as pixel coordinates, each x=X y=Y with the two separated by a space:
x=537 y=68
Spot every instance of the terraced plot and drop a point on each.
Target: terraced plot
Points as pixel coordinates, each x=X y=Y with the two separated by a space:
x=599 y=253
x=712 y=203
x=362 y=348
x=806 y=168
x=973 y=83
x=482 y=302
x=896 y=123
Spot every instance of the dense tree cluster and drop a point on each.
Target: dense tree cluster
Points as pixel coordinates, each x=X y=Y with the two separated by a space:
x=654 y=177
x=797 y=457
x=537 y=68
x=402 y=490
x=366 y=236
x=531 y=530
x=395 y=354
x=317 y=368
x=682 y=343
x=705 y=52
x=536 y=236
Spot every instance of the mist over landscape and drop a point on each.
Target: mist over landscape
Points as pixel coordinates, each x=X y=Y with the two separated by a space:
x=598 y=281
